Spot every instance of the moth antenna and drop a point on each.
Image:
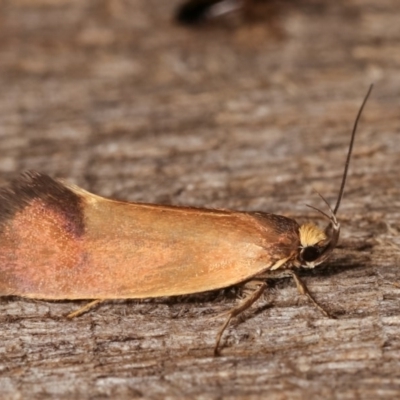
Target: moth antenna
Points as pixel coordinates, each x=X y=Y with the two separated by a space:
x=332 y=217
x=320 y=211
x=325 y=201
x=353 y=135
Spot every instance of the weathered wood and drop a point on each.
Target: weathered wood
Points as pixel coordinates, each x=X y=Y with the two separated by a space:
x=239 y=114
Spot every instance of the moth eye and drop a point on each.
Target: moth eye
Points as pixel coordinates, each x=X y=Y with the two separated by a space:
x=310 y=253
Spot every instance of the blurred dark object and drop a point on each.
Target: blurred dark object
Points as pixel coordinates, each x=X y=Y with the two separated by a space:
x=193 y=12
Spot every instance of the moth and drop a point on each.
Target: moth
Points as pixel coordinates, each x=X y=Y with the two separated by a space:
x=193 y=12
x=58 y=241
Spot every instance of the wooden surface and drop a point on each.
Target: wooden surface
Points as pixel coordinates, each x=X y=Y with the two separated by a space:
x=245 y=114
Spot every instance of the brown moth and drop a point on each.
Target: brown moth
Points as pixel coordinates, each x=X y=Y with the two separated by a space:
x=58 y=241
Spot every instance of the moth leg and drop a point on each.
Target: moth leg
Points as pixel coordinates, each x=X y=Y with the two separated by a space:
x=242 y=306
x=302 y=288
x=85 y=308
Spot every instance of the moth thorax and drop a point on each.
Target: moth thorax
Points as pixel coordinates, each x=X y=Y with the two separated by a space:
x=311 y=235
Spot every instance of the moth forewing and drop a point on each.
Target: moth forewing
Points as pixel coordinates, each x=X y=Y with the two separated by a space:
x=96 y=248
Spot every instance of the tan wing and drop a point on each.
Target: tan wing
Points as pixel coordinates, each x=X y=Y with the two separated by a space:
x=60 y=242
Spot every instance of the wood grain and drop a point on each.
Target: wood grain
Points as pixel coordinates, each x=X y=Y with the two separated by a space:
x=241 y=114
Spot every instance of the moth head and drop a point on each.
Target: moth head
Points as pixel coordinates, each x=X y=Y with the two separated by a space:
x=316 y=244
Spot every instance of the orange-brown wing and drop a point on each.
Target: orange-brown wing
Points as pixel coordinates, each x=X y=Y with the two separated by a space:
x=60 y=242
